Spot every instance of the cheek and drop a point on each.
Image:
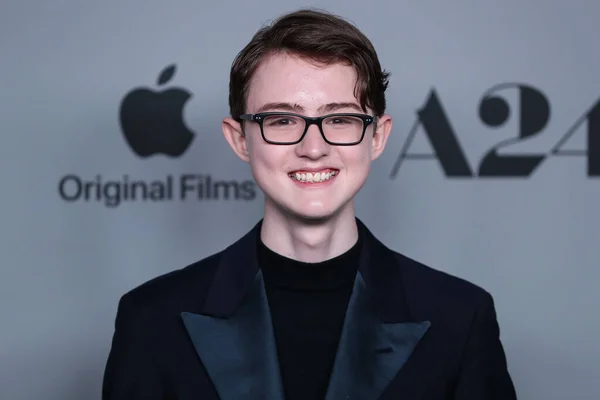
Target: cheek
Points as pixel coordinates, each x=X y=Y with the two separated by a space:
x=265 y=158
x=357 y=158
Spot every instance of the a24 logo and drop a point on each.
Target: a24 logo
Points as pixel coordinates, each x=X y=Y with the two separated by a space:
x=494 y=111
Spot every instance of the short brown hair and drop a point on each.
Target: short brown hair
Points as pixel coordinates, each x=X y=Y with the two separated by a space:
x=319 y=36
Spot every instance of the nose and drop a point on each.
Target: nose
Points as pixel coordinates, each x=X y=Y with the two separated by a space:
x=313 y=145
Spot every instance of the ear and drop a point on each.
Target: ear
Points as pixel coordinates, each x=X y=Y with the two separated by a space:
x=235 y=137
x=380 y=136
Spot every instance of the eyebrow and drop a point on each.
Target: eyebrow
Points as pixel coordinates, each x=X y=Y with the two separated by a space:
x=294 y=107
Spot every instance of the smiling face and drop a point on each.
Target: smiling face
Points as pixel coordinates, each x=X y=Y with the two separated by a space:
x=312 y=179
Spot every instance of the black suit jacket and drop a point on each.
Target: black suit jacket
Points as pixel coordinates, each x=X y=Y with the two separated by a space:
x=204 y=332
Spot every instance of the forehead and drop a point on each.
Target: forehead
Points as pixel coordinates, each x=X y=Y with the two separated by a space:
x=289 y=78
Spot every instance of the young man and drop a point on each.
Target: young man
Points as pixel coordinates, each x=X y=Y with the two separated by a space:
x=309 y=304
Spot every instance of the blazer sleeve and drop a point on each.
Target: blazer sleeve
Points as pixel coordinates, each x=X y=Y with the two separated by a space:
x=484 y=372
x=130 y=372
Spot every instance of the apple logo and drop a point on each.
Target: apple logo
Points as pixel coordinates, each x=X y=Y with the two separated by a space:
x=152 y=121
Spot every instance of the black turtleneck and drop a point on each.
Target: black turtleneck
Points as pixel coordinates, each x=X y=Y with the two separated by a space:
x=308 y=304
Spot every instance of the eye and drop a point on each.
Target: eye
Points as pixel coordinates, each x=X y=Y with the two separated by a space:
x=340 y=121
x=344 y=122
x=280 y=121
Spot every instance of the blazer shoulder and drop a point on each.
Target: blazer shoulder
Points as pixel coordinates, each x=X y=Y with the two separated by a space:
x=447 y=288
x=183 y=287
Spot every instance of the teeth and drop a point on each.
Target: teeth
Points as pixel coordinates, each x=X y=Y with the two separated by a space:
x=313 y=177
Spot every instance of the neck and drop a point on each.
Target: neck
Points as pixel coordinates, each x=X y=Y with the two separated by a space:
x=307 y=240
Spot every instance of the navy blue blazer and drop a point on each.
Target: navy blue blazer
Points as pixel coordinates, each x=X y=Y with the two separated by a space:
x=204 y=332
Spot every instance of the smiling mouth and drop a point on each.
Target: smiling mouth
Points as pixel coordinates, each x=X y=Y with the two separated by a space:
x=313 y=177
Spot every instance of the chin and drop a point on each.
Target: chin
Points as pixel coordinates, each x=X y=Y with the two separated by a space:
x=305 y=206
x=315 y=214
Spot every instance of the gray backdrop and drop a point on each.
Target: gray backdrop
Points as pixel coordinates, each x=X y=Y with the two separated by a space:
x=531 y=240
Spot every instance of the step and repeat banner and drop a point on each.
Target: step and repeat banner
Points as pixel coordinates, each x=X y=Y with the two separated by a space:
x=115 y=170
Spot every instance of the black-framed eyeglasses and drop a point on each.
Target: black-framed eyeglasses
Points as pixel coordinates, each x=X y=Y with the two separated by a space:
x=284 y=128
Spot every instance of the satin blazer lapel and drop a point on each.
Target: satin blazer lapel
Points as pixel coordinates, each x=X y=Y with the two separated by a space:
x=232 y=332
x=371 y=352
x=239 y=352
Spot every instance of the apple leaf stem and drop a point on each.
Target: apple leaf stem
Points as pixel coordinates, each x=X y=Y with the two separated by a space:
x=166 y=74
